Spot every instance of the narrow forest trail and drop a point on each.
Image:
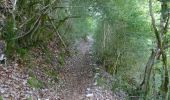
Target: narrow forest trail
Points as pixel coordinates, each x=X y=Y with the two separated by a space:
x=77 y=73
x=78 y=77
x=76 y=80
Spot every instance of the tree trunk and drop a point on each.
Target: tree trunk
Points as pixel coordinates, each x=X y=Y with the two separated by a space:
x=160 y=51
x=165 y=81
x=164 y=22
x=145 y=83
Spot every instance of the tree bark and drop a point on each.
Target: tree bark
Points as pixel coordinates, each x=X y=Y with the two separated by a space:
x=145 y=83
x=160 y=51
x=163 y=31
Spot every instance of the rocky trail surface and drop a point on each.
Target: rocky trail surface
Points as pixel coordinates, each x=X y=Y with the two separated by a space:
x=77 y=81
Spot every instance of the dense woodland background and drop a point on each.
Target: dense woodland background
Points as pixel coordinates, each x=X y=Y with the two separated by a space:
x=131 y=37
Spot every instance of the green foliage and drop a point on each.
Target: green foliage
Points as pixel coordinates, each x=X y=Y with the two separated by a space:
x=125 y=32
x=121 y=28
x=53 y=74
x=61 y=58
x=122 y=33
x=30 y=24
x=1 y=98
x=30 y=98
x=22 y=51
x=35 y=83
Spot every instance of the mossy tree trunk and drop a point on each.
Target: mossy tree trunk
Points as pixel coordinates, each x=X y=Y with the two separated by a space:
x=160 y=51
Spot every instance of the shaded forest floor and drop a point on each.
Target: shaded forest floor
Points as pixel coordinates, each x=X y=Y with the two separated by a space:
x=77 y=80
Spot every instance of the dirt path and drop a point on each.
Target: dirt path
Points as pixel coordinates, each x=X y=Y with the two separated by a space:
x=77 y=74
x=78 y=77
x=77 y=81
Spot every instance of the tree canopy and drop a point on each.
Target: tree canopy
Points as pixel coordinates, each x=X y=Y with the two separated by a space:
x=131 y=37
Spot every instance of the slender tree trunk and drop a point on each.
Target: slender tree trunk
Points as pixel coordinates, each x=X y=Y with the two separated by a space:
x=163 y=31
x=145 y=83
x=165 y=81
x=154 y=85
x=160 y=51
